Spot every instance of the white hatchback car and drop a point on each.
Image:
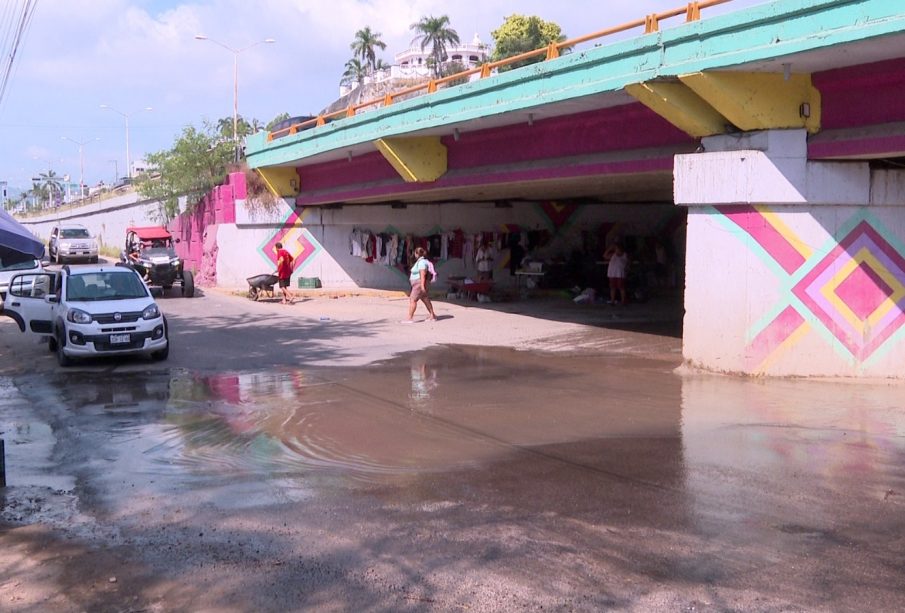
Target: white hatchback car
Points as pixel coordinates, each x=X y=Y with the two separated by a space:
x=89 y=311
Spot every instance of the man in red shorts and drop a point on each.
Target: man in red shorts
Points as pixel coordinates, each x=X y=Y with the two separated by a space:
x=284 y=272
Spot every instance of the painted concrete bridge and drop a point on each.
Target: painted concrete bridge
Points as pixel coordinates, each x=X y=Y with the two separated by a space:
x=779 y=128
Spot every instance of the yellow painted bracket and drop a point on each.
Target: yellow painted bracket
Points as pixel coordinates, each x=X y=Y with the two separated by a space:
x=417 y=160
x=680 y=106
x=280 y=180
x=759 y=100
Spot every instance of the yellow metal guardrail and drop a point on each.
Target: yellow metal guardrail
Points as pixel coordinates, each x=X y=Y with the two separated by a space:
x=651 y=23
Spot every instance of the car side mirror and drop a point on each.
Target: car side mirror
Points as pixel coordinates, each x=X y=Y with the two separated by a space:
x=46 y=262
x=176 y=240
x=52 y=298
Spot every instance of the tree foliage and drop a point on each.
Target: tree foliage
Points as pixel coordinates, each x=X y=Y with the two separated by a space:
x=197 y=162
x=451 y=68
x=522 y=33
x=276 y=120
x=436 y=33
x=365 y=46
x=48 y=187
x=355 y=73
x=244 y=127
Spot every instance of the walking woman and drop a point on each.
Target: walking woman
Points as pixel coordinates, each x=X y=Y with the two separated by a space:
x=421 y=277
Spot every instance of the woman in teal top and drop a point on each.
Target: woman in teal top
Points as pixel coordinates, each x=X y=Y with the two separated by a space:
x=420 y=278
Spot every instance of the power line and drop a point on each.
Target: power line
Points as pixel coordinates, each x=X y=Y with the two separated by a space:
x=12 y=40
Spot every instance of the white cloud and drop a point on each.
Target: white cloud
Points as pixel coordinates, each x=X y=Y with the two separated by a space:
x=135 y=53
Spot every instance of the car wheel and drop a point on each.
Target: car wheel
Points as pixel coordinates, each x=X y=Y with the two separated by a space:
x=94 y=260
x=62 y=359
x=52 y=344
x=188 y=284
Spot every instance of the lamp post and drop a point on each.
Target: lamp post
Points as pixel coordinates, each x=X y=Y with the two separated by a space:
x=81 y=145
x=235 y=53
x=126 y=117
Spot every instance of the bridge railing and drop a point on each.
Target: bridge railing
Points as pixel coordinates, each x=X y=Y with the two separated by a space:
x=651 y=23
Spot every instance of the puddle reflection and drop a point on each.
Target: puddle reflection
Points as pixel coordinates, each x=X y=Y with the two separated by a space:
x=710 y=440
x=788 y=444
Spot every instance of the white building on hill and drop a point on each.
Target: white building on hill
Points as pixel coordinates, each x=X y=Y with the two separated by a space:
x=412 y=64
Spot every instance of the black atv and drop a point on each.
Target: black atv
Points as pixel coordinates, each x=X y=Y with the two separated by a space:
x=150 y=251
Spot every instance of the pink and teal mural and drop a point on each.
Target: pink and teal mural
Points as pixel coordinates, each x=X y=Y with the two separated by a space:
x=850 y=290
x=296 y=239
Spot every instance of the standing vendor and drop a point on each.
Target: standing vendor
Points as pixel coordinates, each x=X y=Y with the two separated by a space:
x=484 y=260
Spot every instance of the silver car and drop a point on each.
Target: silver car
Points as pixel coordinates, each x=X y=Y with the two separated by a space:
x=71 y=242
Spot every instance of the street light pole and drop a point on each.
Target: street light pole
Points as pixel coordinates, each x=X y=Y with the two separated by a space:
x=235 y=53
x=126 y=117
x=81 y=145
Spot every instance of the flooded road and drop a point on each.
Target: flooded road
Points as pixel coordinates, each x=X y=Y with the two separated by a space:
x=457 y=478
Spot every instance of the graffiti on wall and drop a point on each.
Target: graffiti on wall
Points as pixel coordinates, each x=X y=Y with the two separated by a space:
x=296 y=239
x=851 y=290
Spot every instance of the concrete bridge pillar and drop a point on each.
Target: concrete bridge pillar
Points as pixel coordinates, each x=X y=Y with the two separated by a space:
x=794 y=267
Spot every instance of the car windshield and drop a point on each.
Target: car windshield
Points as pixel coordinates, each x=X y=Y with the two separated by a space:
x=106 y=285
x=74 y=233
x=26 y=265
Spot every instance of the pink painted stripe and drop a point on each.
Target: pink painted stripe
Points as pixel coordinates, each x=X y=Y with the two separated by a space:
x=751 y=221
x=398 y=188
x=881 y=145
x=774 y=335
x=862 y=95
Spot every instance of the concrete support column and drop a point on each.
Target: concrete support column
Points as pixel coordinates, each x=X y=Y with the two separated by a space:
x=794 y=267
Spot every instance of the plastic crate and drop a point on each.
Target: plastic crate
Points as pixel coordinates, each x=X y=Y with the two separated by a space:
x=309 y=282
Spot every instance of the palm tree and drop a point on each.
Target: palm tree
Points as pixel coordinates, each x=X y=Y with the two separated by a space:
x=254 y=126
x=355 y=72
x=37 y=195
x=51 y=184
x=436 y=33
x=364 y=46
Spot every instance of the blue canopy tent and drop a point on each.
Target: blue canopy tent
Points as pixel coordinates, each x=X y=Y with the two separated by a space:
x=17 y=244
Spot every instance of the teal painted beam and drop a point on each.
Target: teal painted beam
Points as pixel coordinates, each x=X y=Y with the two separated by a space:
x=759 y=33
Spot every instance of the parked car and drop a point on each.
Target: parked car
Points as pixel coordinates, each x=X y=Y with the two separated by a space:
x=71 y=242
x=89 y=311
x=8 y=270
x=152 y=252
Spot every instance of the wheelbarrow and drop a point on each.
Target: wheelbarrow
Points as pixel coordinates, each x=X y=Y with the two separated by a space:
x=260 y=284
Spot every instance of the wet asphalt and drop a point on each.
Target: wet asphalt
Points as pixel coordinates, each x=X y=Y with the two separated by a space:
x=448 y=478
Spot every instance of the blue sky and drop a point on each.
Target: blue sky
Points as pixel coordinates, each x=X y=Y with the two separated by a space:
x=131 y=54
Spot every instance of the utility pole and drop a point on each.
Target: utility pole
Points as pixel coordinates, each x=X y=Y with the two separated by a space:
x=126 y=117
x=81 y=145
x=235 y=53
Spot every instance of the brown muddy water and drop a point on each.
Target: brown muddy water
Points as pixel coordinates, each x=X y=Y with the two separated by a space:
x=595 y=468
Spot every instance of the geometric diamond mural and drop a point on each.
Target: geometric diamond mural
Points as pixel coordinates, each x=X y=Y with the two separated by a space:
x=854 y=289
x=857 y=290
x=863 y=291
x=297 y=240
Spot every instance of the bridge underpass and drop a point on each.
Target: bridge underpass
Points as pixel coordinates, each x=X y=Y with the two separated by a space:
x=778 y=128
